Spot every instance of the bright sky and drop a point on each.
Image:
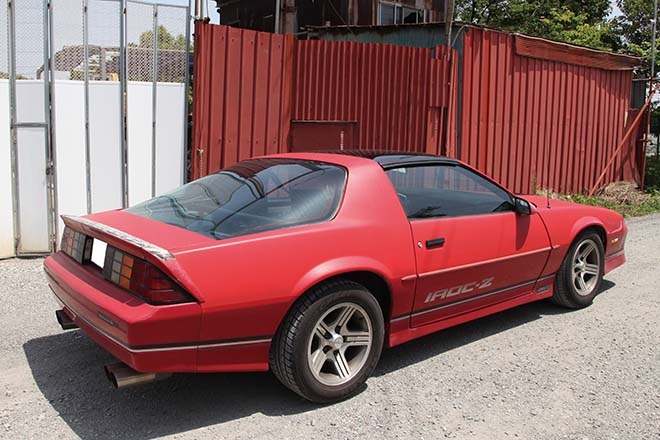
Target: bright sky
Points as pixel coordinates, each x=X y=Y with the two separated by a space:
x=615 y=9
x=67 y=27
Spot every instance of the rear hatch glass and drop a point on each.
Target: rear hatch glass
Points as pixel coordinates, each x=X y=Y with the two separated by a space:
x=252 y=196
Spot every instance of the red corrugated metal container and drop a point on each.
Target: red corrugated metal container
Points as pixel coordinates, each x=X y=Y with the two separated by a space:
x=530 y=113
x=535 y=123
x=395 y=95
x=242 y=96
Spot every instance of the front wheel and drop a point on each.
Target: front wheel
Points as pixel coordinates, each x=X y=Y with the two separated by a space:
x=581 y=273
x=330 y=342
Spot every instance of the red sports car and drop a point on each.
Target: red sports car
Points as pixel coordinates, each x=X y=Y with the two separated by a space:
x=309 y=263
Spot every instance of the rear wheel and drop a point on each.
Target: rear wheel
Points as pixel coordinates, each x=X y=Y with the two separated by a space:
x=581 y=273
x=330 y=342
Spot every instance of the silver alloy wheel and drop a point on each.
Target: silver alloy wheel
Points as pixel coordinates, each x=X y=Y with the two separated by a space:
x=586 y=267
x=340 y=344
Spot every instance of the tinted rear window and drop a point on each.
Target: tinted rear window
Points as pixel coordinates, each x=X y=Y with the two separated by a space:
x=252 y=196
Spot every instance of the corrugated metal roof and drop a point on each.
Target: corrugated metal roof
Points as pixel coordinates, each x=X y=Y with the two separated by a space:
x=431 y=34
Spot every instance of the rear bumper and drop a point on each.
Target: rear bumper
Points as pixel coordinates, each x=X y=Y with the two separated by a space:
x=147 y=338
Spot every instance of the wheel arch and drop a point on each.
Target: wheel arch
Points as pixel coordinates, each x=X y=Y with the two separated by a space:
x=367 y=272
x=593 y=225
x=374 y=283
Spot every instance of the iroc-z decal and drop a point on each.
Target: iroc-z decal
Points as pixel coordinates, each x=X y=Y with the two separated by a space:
x=459 y=290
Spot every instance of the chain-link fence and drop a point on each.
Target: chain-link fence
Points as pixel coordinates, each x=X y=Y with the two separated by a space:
x=4 y=46
x=100 y=88
x=28 y=38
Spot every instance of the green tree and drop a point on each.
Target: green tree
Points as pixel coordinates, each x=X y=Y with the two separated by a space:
x=578 y=22
x=5 y=75
x=636 y=25
x=165 y=39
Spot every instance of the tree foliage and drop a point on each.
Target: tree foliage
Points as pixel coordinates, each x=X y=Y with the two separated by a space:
x=165 y=39
x=636 y=25
x=584 y=23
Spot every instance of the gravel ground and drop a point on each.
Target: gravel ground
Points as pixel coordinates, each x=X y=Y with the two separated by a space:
x=537 y=371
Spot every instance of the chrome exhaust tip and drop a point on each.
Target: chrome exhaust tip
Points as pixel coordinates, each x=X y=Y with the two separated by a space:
x=63 y=319
x=121 y=375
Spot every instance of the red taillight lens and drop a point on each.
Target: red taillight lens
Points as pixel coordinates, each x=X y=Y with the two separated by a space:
x=76 y=245
x=141 y=278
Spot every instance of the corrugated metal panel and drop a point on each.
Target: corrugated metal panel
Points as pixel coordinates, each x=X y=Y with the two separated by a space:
x=529 y=122
x=242 y=89
x=534 y=47
x=533 y=123
x=396 y=94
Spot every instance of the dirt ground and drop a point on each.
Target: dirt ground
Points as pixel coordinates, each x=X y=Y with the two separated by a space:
x=535 y=372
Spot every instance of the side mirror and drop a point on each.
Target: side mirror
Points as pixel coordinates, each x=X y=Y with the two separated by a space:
x=522 y=206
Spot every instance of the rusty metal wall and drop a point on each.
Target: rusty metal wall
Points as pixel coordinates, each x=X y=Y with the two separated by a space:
x=538 y=124
x=396 y=95
x=525 y=118
x=242 y=90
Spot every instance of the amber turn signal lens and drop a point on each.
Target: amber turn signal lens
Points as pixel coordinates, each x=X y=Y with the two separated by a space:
x=141 y=278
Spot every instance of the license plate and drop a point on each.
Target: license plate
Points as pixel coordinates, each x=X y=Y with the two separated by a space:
x=98 y=252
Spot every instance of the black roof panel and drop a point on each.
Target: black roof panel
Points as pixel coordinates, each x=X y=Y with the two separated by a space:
x=389 y=158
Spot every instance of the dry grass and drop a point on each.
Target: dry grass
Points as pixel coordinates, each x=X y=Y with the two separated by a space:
x=623 y=197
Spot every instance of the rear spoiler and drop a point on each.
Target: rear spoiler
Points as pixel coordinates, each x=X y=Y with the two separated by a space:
x=136 y=246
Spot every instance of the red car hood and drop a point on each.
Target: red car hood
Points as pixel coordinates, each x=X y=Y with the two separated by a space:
x=541 y=202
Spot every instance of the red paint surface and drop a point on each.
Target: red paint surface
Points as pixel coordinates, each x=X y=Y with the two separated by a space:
x=246 y=285
x=534 y=121
x=534 y=114
x=249 y=86
x=242 y=86
x=540 y=48
x=397 y=95
x=323 y=136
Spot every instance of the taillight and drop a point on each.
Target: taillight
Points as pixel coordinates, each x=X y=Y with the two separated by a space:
x=76 y=245
x=141 y=278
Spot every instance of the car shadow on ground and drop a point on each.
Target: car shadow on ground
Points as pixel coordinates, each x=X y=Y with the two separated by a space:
x=446 y=340
x=67 y=369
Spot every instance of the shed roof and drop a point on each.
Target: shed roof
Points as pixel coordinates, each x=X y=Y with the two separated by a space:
x=525 y=45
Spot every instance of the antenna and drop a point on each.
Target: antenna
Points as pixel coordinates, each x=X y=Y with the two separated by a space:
x=547 y=196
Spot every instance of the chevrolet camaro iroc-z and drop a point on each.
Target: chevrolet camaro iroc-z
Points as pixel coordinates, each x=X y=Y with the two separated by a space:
x=309 y=264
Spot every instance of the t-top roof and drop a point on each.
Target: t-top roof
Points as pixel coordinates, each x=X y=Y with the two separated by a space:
x=390 y=159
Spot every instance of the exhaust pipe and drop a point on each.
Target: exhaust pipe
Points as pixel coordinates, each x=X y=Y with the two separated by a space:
x=121 y=375
x=63 y=319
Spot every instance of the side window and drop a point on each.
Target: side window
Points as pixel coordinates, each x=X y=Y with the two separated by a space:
x=446 y=191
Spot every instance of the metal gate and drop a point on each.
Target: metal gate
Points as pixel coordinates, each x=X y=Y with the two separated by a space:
x=31 y=164
x=91 y=127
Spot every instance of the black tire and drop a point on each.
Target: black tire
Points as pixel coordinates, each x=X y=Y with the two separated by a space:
x=290 y=346
x=566 y=293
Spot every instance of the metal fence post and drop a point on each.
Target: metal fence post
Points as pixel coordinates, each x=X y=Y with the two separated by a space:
x=51 y=168
x=51 y=127
x=154 y=92
x=11 y=25
x=122 y=101
x=186 y=131
x=88 y=166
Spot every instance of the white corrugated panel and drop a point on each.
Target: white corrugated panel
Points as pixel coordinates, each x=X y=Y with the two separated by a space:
x=6 y=205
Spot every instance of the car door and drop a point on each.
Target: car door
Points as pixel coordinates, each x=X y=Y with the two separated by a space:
x=472 y=249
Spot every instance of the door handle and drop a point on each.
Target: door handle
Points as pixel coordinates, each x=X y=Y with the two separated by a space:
x=435 y=243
